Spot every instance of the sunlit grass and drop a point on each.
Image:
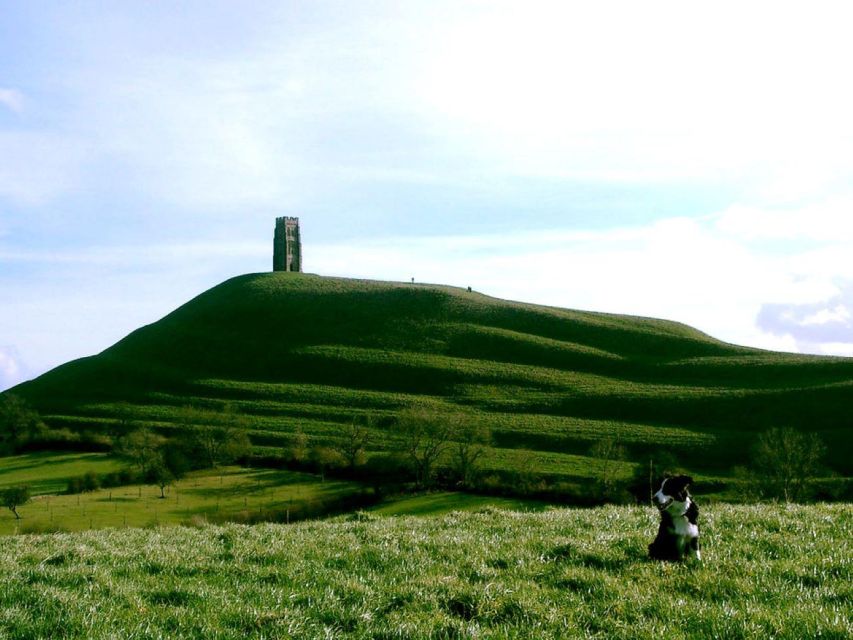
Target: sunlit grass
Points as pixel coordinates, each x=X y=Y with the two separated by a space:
x=222 y=494
x=443 y=502
x=767 y=572
x=48 y=472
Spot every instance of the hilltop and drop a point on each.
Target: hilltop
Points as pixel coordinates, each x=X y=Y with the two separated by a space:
x=295 y=351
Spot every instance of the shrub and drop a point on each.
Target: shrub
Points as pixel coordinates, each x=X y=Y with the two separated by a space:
x=90 y=481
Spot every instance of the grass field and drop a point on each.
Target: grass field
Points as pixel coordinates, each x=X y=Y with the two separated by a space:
x=296 y=351
x=229 y=493
x=768 y=572
x=49 y=472
x=443 y=502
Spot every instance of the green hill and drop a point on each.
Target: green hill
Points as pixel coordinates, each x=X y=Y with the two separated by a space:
x=301 y=351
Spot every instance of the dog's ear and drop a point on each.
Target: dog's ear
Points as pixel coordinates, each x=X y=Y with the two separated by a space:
x=685 y=481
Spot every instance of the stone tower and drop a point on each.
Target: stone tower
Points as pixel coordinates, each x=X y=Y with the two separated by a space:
x=287 y=247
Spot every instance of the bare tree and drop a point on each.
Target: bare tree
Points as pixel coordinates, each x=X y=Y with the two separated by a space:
x=471 y=442
x=424 y=436
x=784 y=459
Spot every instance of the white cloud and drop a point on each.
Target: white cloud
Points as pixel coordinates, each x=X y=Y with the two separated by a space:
x=828 y=220
x=12 y=370
x=663 y=92
x=12 y=99
x=837 y=349
x=838 y=314
x=692 y=270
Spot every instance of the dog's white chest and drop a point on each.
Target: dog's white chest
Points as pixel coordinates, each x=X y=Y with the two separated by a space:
x=683 y=527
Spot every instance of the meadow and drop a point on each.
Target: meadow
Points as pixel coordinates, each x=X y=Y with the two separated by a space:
x=224 y=494
x=48 y=472
x=768 y=571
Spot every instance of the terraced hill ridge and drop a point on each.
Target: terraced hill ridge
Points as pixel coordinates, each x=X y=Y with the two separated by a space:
x=297 y=351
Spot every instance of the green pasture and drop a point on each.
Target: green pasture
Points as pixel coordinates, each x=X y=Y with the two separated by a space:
x=767 y=572
x=443 y=502
x=48 y=472
x=229 y=493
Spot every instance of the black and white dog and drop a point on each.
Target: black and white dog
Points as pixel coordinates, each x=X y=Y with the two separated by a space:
x=678 y=534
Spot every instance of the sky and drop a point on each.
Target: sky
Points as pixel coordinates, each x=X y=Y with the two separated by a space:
x=677 y=160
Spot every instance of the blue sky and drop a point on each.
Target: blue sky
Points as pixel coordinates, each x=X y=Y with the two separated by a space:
x=691 y=163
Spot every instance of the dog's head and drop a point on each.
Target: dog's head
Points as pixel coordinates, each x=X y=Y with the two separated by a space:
x=673 y=495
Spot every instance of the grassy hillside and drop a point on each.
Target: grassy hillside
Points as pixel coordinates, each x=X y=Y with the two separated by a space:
x=767 y=572
x=300 y=351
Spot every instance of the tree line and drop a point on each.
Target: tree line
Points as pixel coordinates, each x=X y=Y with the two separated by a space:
x=425 y=449
x=783 y=465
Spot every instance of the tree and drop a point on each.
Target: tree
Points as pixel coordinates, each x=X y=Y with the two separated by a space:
x=124 y=419
x=389 y=468
x=326 y=458
x=299 y=448
x=610 y=452
x=18 y=422
x=220 y=436
x=157 y=461
x=14 y=497
x=142 y=448
x=160 y=475
x=524 y=477
x=170 y=465
x=784 y=459
x=353 y=445
x=467 y=450
x=424 y=437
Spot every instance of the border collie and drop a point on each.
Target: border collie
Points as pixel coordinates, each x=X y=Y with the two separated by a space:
x=678 y=534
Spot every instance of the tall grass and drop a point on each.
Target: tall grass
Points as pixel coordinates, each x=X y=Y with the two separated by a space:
x=767 y=572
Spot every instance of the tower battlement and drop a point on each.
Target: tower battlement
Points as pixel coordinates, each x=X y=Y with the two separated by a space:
x=287 y=245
